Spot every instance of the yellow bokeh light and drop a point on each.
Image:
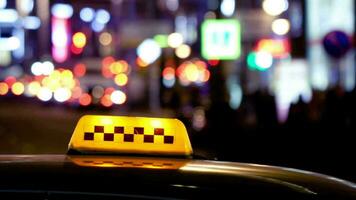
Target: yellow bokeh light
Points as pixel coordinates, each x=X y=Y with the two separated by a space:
x=79 y=40
x=34 y=87
x=183 y=51
x=116 y=68
x=18 y=88
x=4 y=88
x=192 y=72
x=121 y=79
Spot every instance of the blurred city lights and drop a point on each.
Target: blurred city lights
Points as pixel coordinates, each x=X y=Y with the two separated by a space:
x=121 y=79
x=33 y=88
x=259 y=60
x=106 y=100
x=140 y=62
x=193 y=72
x=97 y=92
x=102 y=16
x=199 y=120
x=149 y=51
x=8 y=16
x=5 y=58
x=168 y=83
x=44 y=94
x=118 y=97
x=31 y=22
x=3 y=4
x=4 y=88
x=9 y=44
x=162 y=40
x=106 y=66
x=175 y=40
x=77 y=92
x=279 y=48
x=24 y=6
x=168 y=75
x=79 y=40
x=87 y=14
x=76 y=50
x=213 y=62
x=227 y=7
x=62 y=11
x=183 y=51
x=62 y=94
x=172 y=5
x=275 y=7
x=79 y=70
x=105 y=38
x=17 y=88
x=10 y=80
x=45 y=68
x=97 y=27
x=60 y=39
x=280 y=26
x=85 y=99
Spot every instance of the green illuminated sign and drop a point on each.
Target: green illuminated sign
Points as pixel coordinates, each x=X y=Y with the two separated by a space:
x=221 y=39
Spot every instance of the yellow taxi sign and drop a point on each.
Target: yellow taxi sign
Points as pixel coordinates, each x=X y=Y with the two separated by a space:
x=132 y=135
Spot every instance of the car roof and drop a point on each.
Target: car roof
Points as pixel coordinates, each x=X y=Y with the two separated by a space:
x=161 y=176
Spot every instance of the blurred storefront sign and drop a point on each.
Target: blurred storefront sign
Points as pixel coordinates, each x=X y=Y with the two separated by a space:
x=221 y=39
x=324 y=16
x=279 y=48
x=290 y=84
x=134 y=32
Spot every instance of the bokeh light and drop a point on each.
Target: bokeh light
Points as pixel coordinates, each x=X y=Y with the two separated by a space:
x=183 y=51
x=275 y=7
x=79 y=40
x=175 y=40
x=62 y=94
x=87 y=14
x=106 y=100
x=33 y=88
x=85 y=99
x=4 y=88
x=18 y=88
x=79 y=70
x=121 y=79
x=149 y=51
x=118 y=97
x=280 y=26
x=44 y=94
x=105 y=38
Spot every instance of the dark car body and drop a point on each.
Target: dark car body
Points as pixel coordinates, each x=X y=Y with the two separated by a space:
x=132 y=177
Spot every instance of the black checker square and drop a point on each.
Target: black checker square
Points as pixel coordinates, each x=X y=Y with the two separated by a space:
x=168 y=139
x=99 y=129
x=108 y=137
x=148 y=138
x=118 y=129
x=128 y=137
x=88 y=136
x=139 y=130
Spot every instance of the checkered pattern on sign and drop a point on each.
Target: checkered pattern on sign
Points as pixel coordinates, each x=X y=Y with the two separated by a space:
x=158 y=134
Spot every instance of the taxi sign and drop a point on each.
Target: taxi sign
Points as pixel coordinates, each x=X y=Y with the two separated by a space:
x=130 y=135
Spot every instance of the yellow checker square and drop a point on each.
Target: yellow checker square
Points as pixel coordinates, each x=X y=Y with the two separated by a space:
x=138 y=135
